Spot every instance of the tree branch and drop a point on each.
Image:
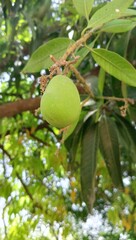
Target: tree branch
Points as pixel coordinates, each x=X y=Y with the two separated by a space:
x=19 y=106
x=13 y=108
x=24 y=186
x=39 y=140
x=5 y=152
x=26 y=189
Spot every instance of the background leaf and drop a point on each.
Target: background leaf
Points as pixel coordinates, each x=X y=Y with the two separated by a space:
x=130 y=12
x=111 y=10
x=109 y=147
x=127 y=134
x=118 y=26
x=40 y=59
x=113 y=63
x=89 y=146
x=83 y=7
x=72 y=142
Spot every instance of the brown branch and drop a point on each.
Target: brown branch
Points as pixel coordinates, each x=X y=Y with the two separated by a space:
x=19 y=106
x=13 y=108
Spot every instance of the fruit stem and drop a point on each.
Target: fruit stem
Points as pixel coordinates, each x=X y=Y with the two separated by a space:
x=82 y=80
x=77 y=44
x=85 y=101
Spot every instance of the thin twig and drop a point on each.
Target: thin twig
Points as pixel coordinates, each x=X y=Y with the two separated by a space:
x=3 y=218
x=24 y=186
x=39 y=140
x=85 y=101
x=4 y=165
x=35 y=204
x=129 y=100
x=62 y=62
x=5 y=151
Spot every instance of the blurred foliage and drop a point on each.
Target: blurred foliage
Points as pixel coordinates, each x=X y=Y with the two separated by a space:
x=40 y=178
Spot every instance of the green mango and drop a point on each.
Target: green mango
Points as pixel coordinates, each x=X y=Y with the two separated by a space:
x=60 y=103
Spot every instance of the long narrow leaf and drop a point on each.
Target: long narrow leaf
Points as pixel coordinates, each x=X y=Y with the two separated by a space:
x=118 y=26
x=89 y=146
x=115 y=65
x=127 y=134
x=109 y=147
x=73 y=140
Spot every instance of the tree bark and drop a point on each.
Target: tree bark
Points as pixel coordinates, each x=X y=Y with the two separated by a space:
x=19 y=106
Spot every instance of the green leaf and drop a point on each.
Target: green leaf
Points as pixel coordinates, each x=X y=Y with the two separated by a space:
x=68 y=131
x=118 y=26
x=130 y=12
x=115 y=65
x=76 y=137
x=101 y=80
x=127 y=134
x=113 y=215
x=131 y=130
x=109 y=147
x=83 y=7
x=5 y=188
x=40 y=59
x=72 y=142
x=132 y=112
x=4 y=123
x=89 y=146
x=112 y=10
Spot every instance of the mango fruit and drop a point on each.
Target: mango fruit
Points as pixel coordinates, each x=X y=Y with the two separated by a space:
x=60 y=103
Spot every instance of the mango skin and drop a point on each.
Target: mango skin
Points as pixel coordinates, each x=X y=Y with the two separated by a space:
x=60 y=103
